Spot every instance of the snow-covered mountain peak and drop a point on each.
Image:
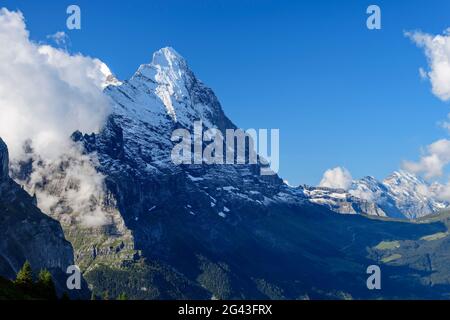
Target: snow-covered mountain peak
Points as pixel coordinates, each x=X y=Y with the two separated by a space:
x=368 y=180
x=401 y=195
x=160 y=97
x=166 y=92
x=411 y=195
x=367 y=188
x=108 y=77
x=402 y=177
x=168 y=58
x=173 y=78
x=168 y=68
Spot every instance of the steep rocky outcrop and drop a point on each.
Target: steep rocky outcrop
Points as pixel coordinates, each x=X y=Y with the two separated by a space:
x=28 y=234
x=4 y=162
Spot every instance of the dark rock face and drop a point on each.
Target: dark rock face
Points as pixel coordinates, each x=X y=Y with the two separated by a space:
x=4 y=161
x=28 y=234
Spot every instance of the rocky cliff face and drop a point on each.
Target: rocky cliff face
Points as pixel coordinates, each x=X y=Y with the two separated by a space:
x=342 y=201
x=4 y=162
x=28 y=234
x=71 y=190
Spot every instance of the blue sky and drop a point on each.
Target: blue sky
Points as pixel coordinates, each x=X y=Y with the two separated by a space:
x=340 y=94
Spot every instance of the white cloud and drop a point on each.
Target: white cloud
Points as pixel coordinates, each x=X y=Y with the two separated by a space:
x=75 y=193
x=437 y=50
x=433 y=161
x=45 y=95
x=363 y=193
x=60 y=38
x=336 y=178
x=440 y=191
x=436 y=155
x=423 y=74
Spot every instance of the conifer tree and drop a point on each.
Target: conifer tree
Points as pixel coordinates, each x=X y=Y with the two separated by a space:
x=24 y=278
x=46 y=286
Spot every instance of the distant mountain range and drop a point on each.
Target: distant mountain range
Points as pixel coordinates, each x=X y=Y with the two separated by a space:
x=401 y=195
x=156 y=230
